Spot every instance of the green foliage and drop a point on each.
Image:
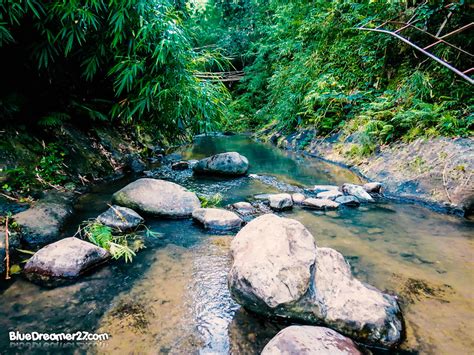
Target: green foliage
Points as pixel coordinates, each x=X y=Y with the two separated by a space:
x=210 y=201
x=19 y=180
x=49 y=170
x=131 y=60
x=119 y=245
x=308 y=66
x=51 y=165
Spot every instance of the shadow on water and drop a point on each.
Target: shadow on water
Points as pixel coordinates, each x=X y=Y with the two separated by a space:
x=174 y=298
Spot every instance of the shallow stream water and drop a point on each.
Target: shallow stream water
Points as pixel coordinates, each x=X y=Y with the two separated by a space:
x=174 y=299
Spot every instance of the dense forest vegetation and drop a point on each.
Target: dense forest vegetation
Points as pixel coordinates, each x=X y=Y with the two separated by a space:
x=92 y=62
x=307 y=65
x=99 y=60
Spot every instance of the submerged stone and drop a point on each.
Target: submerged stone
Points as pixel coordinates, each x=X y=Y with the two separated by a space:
x=320 y=204
x=350 y=201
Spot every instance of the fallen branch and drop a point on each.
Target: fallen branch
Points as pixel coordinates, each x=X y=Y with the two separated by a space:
x=9 y=197
x=7 y=251
x=44 y=182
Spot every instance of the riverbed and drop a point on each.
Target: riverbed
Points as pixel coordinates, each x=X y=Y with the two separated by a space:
x=174 y=299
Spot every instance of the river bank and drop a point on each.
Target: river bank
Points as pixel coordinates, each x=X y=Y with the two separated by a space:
x=435 y=172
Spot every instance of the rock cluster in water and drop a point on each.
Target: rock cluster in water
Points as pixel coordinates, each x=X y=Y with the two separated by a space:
x=279 y=271
x=319 y=197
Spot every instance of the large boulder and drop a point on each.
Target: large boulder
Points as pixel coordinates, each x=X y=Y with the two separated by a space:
x=217 y=219
x=357 y=191
x=280 y=202
x=272 y=260
x=43 y=223
x=308 y=340
x=64 y=261
x=278 y=271
x=230 y=163
x=121 y=218
x=158 y=197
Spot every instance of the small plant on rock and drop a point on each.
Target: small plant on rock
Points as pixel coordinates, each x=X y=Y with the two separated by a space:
x=119 y=245
x=210 y=201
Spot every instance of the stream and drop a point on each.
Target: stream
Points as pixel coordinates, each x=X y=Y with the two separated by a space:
x=174 y=299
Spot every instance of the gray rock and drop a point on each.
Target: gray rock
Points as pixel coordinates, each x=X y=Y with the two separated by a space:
x=373 y=187
x=42 y=223
x=350 y=201
x=244 y=208
x=278 y=271
x=13 y=243
x=217 y=219
x=308 y=340
x=230 y=163
x=180 y=165
x=329 y=195
x=321 y=188
x=121 y=218
x=192 y=163
x=262 y=197
x=357 y=191
x=320 y=204
x=298 y=198
x=134 y=163
x=351 y=306
x=64 y=261
x=280 y=202
x=157 y=197
x=272 y=260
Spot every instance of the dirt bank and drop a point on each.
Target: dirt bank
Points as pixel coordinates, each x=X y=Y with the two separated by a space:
x=436 y=172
